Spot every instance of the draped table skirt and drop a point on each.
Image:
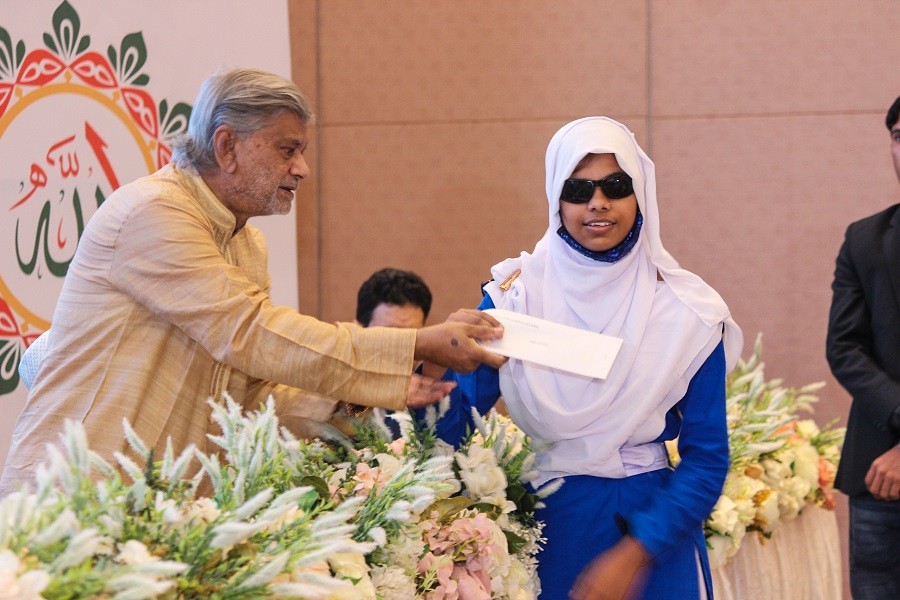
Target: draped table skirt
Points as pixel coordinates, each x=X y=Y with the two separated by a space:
x=802 y=561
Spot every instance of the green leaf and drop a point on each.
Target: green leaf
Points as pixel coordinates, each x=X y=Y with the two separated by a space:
x=448 y=507
x=316 y=483
x=514 y=542
x=491 y=510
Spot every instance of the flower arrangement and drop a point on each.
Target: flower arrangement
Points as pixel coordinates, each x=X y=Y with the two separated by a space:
x=269 y=515
x=780 y=463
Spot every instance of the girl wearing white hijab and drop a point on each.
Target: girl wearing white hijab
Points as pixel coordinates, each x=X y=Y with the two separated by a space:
x=624 y=524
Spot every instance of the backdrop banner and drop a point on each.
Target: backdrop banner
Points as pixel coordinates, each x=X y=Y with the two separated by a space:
x=92 y=95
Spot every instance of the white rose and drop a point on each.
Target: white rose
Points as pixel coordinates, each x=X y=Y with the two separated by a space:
x=500 y=560
x=517 y=583
x=806 y=464
x=204 y=509
x=352 y=566
x=392 y=583
x=742 y=488
x=777 y=470
x=135 y=553
x=739 y=486
x=349 y=565
x=442 y=448
x=792 y=497
x=807 y=428
x=767 y=512
x=404 y=552
x=480 y=473
x=389 y=465
x=15 y=585
x=170 y=512
x=724 y=516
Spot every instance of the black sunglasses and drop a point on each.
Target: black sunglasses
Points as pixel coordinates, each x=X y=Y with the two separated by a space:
x=615 y=186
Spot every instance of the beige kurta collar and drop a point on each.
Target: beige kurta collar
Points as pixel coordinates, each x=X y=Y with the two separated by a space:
x=222 y=219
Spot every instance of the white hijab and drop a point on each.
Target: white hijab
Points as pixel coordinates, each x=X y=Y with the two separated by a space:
x=669 y=328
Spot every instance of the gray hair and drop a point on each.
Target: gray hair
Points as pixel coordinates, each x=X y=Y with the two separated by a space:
x=245 y=100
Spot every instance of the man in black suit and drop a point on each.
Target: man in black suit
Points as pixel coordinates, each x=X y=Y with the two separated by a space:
x=863 y=349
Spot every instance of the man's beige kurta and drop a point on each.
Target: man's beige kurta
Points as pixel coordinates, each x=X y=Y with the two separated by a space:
x=164 y=307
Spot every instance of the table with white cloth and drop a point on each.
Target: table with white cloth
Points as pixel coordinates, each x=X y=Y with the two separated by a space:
x=801 y=561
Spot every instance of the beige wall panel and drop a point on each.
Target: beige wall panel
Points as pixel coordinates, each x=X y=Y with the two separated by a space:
x=447 y=201
x=453 y=60
x=305 y=72
x=773 y=56
x=758 y=207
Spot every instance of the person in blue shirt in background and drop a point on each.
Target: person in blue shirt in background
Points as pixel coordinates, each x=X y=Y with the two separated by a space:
x=397 y=298
x=625 y=524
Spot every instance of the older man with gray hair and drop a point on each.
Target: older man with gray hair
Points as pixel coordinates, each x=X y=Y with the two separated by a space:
x=166 y=302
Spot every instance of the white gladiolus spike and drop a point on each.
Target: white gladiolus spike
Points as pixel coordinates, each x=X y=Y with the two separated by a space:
x=267 y=572
x=765 y=447
x=168 y=457
x=181 y=464
x=550 y=487
x=82 y=546
x=378 y=535
x=130 y=467
x=162 y=568
x=66 y=524
x=443 y=405
x=230 y=534
x=253 y=505
x=136 y=443
x=136 y=586
x=480 y=424
x=378 y=417
x=308 y=591
x=75 y=442
x=99 y=464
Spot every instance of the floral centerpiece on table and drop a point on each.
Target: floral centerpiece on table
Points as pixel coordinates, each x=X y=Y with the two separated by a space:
x=383 y=519
x=780 y=463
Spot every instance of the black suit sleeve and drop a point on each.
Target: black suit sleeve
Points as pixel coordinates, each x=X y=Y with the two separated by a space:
x=850 y=341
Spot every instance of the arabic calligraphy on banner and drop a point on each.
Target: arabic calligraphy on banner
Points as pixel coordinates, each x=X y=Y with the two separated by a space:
x=75 y=123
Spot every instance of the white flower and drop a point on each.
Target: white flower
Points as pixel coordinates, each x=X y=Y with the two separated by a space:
x=806 y=464
x=134 y=552
x=392 y=583
x=791 y=498
x=352 y=566
x=82 y=546
x=65 y=525
x=288 y=516
x=171 y=514
x=479 y=471
x=741 y=489
x=404 y=552
x=768 y=513
x=442 y=448
x=724 y=518
x=203 y=509
x=501 y=561
x=518 y=584
x=378 y=535
x=138 y=586
x=389 y=465
x=233 y=533
x=807 y=428
x=777 y=470
x=18 y=585
x=349 y=565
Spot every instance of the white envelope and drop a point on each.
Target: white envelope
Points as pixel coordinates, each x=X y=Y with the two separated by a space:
x=554 y=345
